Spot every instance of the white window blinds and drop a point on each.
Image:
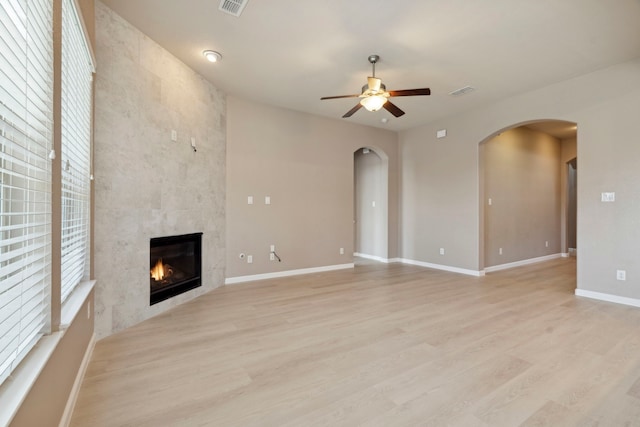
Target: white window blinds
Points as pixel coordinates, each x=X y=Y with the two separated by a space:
x=77 y=71
x=25 y=176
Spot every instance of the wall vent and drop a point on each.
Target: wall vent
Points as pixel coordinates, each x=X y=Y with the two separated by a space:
x=462 y=91
x=232 y=7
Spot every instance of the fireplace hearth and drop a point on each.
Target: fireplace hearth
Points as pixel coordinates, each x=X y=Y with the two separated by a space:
x=175 y=265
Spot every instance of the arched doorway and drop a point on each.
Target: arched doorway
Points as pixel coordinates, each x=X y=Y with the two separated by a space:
x=523 y=189
x=371 y=170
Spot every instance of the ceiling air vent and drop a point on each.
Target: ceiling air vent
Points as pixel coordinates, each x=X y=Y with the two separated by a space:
x=462 y=91
x=233 y=7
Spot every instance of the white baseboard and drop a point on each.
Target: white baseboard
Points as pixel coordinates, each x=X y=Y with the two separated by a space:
x=608 y=297
x=75 y=390
x=521 y=263
x=376 y=258
x=442 y=267
x=277 y=274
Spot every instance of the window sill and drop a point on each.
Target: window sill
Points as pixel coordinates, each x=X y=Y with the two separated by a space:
x=71 y=307
x=16 y=388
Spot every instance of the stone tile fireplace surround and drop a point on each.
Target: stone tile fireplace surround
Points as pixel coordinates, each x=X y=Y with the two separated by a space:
x=147 y=185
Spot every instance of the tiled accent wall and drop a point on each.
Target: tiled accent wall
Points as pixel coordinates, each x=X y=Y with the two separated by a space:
x=147 y=185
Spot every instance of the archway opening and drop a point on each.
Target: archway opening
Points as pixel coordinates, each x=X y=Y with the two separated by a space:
x=371 y=211
x=524 y=193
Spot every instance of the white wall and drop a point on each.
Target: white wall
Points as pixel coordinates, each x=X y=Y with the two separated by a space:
x=440 y=196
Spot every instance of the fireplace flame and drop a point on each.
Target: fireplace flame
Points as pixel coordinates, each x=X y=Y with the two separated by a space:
x=157 y=272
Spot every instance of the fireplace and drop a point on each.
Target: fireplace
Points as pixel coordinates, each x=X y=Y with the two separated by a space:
x=175 y=265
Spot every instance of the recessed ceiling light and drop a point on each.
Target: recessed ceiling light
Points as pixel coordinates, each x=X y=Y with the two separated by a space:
x=212 y=56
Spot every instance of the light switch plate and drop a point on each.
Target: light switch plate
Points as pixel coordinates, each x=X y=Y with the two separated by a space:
x=608 y=196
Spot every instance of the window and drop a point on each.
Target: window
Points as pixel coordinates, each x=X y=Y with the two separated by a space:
x=26 y=93
x=77 y=72
x=27 y=143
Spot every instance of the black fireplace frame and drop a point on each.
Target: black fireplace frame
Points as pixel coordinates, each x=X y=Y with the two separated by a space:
x=185 y=285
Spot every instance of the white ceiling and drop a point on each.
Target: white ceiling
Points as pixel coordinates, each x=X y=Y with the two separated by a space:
x=289 y=53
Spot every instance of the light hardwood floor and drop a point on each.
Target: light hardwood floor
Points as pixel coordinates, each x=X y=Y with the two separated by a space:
x=380 y=345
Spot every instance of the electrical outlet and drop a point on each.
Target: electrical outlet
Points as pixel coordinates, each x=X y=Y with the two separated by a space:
x=341 y=251
x=621 y=274
x=546 y=244
x=249 y=259
x=500 y=251
x=272 y=248
x=272 y=257
x=441 y=251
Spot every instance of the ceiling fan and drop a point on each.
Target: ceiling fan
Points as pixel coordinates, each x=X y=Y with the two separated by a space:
x=375 y=95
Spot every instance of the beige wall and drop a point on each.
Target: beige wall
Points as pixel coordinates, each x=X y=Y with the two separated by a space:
x=522 y=179
x=441 y=186
x=147 y=185
x=305 y=164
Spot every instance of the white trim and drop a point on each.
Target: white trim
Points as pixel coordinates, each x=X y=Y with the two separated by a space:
x=608 y=297
x=442 y=267
x=521 y=263
x=75 y=390
x=374 y=257
x=277 y=274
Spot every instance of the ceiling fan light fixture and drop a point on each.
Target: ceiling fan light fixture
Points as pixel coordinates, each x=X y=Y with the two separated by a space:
x=374 y=94
x=212 y=55
x=374 y=102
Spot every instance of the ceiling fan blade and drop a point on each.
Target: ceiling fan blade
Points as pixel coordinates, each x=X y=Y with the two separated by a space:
x=339 y=96
x=353 y=110
x=410 y=92
x=393 y=109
